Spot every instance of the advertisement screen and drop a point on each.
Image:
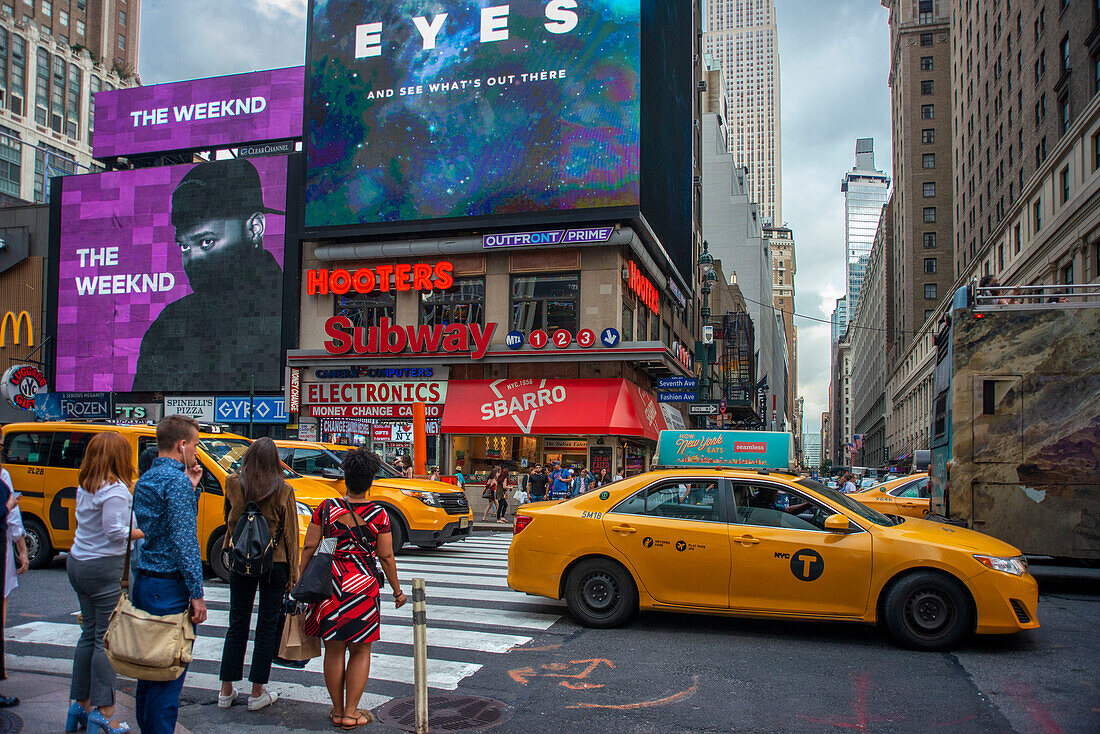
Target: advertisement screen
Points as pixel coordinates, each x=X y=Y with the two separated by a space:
x=210 y=113
x=171 y=279
x=469 y=109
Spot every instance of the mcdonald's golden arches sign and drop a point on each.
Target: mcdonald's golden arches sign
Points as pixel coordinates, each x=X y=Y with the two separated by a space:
x=16 y=323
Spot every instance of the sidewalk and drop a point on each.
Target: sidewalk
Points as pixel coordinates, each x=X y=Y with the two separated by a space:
x=44 y=700
x=478 y=505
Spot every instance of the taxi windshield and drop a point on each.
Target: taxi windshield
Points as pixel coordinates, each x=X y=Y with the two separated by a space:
x=847 y=502
x=228 y=452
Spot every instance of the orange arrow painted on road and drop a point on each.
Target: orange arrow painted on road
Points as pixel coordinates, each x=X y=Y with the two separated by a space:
x=523 y=675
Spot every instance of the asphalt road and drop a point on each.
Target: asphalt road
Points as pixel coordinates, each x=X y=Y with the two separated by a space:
x=687 y=673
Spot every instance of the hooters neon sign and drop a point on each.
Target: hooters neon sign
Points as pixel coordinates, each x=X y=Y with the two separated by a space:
x=405 y=277
x=643 y=288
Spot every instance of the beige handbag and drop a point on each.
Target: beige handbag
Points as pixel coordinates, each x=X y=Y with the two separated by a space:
x=146 y=646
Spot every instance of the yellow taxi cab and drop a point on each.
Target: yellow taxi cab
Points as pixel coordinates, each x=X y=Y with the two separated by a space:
x=424 y=513
x=44 y=458
x=757 y=542
x=906 y=496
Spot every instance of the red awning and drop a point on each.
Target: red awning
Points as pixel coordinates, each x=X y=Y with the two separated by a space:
x=551 y=408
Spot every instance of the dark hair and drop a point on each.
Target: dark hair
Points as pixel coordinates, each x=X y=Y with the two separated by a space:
x=988 y=281
x=360 y=467
x=261 y=472
x=492 y=474
x=173 y=429
x=502 y=476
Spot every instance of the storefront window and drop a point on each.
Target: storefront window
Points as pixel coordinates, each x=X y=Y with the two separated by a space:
x=628 y=323
x=545 y=302
x=463 y=303
x=366 y=309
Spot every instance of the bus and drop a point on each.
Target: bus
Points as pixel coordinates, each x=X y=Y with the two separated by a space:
x=1016 y=417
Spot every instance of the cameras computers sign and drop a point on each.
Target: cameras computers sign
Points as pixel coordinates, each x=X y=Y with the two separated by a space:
x=551 y=87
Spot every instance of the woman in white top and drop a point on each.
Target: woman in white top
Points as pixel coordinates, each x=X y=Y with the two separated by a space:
x=103 y=528
x=17 y=563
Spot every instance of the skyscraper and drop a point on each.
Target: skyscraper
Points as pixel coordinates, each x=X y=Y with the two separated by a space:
x=865 y=192
x=741 y=37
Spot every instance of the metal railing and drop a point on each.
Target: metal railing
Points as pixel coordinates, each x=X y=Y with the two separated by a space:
x=1028 y=297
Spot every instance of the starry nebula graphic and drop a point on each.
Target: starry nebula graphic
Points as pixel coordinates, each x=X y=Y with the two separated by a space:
x=537 y=122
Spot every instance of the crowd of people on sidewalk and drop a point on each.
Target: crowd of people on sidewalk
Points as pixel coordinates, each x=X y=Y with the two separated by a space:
x=535 y=485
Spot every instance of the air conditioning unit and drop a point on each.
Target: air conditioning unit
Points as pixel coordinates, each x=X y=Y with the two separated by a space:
x=17 y=105
x=697 y=180
x=702 y=86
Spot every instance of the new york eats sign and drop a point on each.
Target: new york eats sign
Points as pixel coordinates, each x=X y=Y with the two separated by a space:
x=219 y=112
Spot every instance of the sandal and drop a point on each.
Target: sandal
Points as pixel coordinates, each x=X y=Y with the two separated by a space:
x=361 y=718
x=333 y=716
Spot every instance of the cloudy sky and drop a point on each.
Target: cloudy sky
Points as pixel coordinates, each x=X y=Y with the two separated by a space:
x=834 y=59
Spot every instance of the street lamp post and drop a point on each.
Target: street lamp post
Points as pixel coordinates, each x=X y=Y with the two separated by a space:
x=706 y=267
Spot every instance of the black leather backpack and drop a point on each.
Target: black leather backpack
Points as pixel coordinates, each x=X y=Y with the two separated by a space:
x=253 y=550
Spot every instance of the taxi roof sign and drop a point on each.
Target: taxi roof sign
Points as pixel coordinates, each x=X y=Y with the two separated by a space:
x=770 y=450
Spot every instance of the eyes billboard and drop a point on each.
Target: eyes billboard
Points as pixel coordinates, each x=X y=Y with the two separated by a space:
x=470 y=108
x=171 y=279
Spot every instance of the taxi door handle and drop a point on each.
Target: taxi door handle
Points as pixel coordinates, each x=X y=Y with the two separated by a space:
x=746 y=540
x=623 y=529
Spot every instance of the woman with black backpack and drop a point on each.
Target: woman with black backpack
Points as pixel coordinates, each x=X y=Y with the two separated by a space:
x=261 y=538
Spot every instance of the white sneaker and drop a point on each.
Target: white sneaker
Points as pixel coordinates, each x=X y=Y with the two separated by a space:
x=269 y=697
x=225 y=702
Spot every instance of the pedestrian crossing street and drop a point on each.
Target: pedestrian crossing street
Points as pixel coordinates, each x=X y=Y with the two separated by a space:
x=473 y=619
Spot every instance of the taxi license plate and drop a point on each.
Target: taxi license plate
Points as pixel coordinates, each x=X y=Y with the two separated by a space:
x=463 y=523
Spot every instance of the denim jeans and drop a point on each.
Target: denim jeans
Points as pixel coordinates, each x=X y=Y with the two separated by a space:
x=158 y=702
x=242 y=594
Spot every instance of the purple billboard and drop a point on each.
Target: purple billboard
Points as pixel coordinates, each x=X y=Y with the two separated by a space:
x=219 y=112
x=171 y=279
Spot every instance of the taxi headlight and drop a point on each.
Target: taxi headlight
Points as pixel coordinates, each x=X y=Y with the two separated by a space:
x=1016 y=565
x=431 y=499
x=303 y=509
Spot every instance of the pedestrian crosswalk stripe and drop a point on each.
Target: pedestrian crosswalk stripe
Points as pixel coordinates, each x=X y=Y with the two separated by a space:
x=478 y=618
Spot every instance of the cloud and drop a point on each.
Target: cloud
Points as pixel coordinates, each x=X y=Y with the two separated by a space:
x=833 y=60
x=215 y=37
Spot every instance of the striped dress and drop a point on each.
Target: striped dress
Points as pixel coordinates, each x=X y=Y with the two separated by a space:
x=351 y=614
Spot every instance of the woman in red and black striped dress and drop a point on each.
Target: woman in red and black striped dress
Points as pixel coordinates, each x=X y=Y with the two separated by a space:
x=348 y=621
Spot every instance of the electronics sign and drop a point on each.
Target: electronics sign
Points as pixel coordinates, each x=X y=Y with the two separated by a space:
x=470 y=108
x=171 y=279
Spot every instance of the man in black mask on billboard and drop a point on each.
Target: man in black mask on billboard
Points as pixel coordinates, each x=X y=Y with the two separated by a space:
x=230 y=327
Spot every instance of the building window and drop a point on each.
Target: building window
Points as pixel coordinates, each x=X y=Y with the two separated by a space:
x=628 y=323
x=643 y=325
x=929 y=264
x=546 y=302
x=1041 y=108
x=63 y=17
x=122 y=42
x=926 y=87
x=929 y=188
x=929 y=240
x=72 y=107
x=49 y=162
x=365 y=309
x=929 y=214
x=1063 y=52
x=928 y=160
x=47 y=8
x=42 y=87
x=94 y=85
x=1067 y=274
x=1095 y=147
x=1016 y=240
x=930 y=291
x=1040 y=153
x=18 y=75
x=1040 y=23
x=80 y=28
x=11 y=161
x=928 y=313
x=1040 y=66
x=122 y=18
x=1063 y=116
x=928 y=135
x=926 y=63
x=924 y=12
x=1037 y=215
x=463 y=303
x=10 y=10
x=927 y=112
x=926 y=39
x=1063 y=178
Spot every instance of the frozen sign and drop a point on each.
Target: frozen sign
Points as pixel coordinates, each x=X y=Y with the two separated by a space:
x=219 y=112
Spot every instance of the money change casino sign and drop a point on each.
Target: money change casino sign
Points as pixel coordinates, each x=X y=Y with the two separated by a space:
x=470 y=108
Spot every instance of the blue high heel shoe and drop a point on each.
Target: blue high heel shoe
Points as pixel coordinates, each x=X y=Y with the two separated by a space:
x=95 y=718
x=77 y=718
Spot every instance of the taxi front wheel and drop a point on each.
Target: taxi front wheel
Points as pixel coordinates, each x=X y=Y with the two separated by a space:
x=928 y=611
x=600 y=593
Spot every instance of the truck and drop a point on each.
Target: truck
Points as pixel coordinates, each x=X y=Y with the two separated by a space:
x=1016 y=417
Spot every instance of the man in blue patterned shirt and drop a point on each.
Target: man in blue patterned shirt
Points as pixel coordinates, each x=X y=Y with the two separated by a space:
x=168 y=578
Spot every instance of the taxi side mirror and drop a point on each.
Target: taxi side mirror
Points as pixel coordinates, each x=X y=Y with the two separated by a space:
x=837 y=523
x=332 y=473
